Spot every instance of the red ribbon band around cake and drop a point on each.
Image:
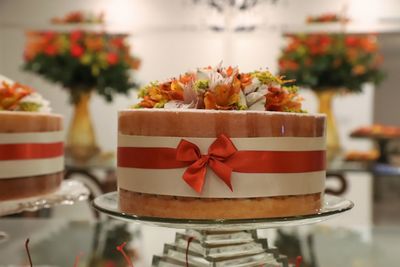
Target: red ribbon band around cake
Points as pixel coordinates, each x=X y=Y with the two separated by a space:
x=222 y=157
x=31 y=151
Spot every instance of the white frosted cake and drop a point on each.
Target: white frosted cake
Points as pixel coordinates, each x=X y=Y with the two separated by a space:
x=215 y=157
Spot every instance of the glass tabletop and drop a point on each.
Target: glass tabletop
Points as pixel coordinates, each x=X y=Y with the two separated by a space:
x=57 y=243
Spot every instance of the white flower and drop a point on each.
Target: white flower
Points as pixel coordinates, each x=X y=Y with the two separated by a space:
x=173 y=104
x=44 y=105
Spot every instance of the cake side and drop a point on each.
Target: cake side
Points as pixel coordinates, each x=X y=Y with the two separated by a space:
x=239 y=125
x=25 y=187
x=210 y=123
x=25 y=122
x=32 y=155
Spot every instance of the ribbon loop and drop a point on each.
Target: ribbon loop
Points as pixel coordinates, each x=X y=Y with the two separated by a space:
x=187 y=151
x=218 y=152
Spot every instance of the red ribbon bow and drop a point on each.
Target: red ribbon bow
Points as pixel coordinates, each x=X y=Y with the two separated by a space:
x=218 y=152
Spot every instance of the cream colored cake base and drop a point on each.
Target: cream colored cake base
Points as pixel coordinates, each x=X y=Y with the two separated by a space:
x=213 y=208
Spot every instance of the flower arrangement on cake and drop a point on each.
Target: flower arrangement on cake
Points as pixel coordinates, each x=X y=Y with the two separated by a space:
x=18 y=97
x=192 y=145
x=222 y=89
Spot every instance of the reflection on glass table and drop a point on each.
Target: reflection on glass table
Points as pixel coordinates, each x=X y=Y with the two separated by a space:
x=378 y=169
x=58 y=242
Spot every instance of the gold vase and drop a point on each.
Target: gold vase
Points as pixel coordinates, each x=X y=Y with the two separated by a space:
x=81 y=140
x=325 y=98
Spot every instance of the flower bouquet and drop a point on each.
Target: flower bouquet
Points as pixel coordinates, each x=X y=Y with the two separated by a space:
x=82 y=62
x=329 y=63
x=325 y=61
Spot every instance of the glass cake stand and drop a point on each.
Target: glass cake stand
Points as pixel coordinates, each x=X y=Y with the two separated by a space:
x=223 y=242
x=69 y=192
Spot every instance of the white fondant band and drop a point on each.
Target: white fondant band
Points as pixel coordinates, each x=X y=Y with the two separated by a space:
x=245 y=185
x=24 y=168
x=245 y=143
x=32 y=138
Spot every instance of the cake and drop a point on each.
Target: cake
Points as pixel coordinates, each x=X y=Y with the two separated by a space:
x=31 y=143
x=219 y=144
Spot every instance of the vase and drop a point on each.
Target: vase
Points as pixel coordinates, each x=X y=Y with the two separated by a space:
x=333 y=148
x=81 y=140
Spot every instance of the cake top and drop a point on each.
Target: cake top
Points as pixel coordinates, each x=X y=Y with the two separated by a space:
x=222 y=88
x=18 y=97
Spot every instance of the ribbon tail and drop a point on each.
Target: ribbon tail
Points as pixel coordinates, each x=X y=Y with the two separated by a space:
x=195 y=177
x=223 y=171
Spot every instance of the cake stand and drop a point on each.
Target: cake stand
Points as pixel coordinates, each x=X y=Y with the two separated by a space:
x=219 y=243
x=69 y=192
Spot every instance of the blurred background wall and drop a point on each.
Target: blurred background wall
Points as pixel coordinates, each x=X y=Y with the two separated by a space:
x=171 y=37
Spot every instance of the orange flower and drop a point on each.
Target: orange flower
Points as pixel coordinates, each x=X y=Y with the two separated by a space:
x=245 y=79
x=173 y=90
x=10 y=95
x=161 y=94
x=186 y=78
x=223 y=97
x=279 y=99
x=94 y=43
x=358 y=70
x=229 y=71
x=368 y=45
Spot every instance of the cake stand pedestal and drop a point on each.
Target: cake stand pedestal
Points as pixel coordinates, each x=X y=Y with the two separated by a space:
x=219 y=248
x=68 y=193
x=220 y=243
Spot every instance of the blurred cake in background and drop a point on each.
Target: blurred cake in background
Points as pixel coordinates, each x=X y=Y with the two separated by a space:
x=355 y=155
x=31 y=143
x=377 y=131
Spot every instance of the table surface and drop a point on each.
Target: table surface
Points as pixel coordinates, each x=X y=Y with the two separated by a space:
x=56 y=242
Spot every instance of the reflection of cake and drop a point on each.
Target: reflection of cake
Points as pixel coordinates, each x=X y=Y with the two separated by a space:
x=257 y=163
x=31 y=143
x=362 y=155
